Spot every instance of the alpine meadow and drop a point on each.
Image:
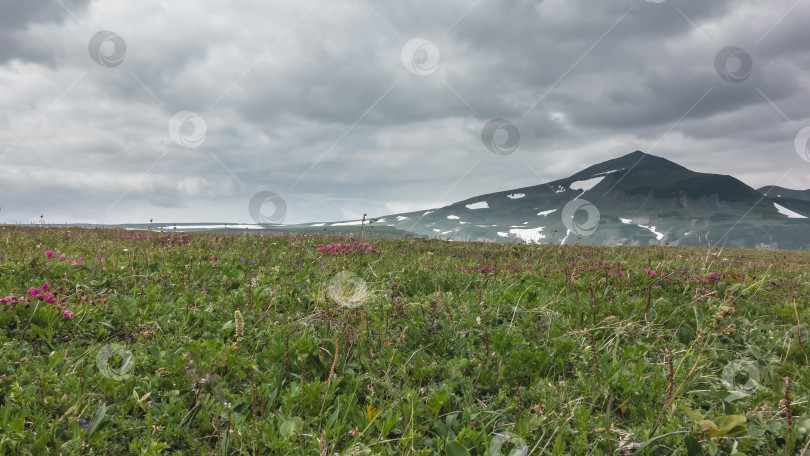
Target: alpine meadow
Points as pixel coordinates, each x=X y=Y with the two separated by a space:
x=405 y=228
x=205 y=343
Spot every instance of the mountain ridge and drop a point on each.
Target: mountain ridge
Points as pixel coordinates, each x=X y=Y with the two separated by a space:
x=634 y=199
x=640 y=198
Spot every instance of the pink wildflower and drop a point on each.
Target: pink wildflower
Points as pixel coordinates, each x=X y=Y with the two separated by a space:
x=49 y=254
x=68 y=315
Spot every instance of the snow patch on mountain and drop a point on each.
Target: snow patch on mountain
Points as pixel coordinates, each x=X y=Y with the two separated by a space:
x=586 y=184
x=181 y=228
x=516 y=195
x=658 y=235
x=478 y=205
x=545 y=213
x=453 y=217
x=529 y=235
x=608 y=172
x=785 y=211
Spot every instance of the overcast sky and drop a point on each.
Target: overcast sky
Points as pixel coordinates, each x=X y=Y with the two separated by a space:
x=181 y=111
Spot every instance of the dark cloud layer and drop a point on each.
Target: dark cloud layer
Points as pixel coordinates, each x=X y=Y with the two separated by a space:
x=313 y=101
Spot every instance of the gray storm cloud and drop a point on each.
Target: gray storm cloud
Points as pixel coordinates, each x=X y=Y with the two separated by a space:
x=326 y=105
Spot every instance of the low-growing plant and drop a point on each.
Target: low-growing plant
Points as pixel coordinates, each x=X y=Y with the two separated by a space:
x=152 y=343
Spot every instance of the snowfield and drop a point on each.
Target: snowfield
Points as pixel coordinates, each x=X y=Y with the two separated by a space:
x=478 y=205
x=785 y=211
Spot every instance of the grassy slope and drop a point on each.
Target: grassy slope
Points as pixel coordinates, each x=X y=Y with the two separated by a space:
x=552 y=346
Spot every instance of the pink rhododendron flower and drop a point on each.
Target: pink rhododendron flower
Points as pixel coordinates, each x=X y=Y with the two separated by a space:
x=49 y=254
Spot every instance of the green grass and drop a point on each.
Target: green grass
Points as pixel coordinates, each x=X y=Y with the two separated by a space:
x=239 y=344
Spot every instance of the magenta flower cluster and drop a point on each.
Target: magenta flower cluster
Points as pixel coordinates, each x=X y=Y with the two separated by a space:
x=9 y=300
x=713 y=277
x=43 y=294
x=347 y=248
x=50 y=255
x=649 y=272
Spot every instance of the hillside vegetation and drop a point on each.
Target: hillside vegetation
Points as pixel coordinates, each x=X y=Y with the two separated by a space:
x=122 y=342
